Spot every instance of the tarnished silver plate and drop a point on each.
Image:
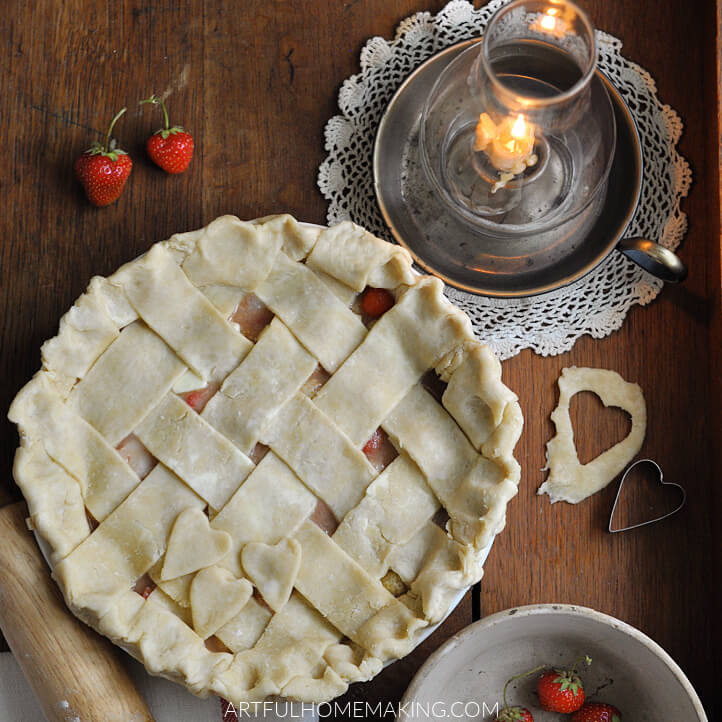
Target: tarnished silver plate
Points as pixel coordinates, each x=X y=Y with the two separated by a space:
x=446 y=246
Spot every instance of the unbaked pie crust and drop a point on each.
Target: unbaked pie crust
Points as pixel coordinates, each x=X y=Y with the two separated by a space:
x=228 y=535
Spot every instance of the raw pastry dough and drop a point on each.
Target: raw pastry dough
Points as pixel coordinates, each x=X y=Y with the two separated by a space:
x=272 y=569
x=210 y=464
x=268 y=488
x=182 y=316
x=216 y=597
x=569 y=480
x=193 y=545
x=245 y=629
x=139 y=358
x=274 y=370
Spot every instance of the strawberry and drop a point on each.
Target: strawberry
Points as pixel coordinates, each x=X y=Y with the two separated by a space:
x=376 y=301
x=561 y=690
x=374 y=443
x=597 y=712
x=515 y=714
x=104 y=169
x=169 y=148
x=144 y=586
x=199 y=398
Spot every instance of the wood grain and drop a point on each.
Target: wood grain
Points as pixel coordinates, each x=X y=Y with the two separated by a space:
x=657 y=578
x=255 y=82
x=713 y=174
x=75 y=673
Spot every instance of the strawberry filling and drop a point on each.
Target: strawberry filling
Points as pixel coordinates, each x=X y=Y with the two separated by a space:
x=252 y=316
x=433 y=384
x=376 y=301
x=198 y=398
x=140 y=460
x=324 y=518
x=379 y=450
x=257 y=453
x=213 y=644
x=144 y=586
x=315 y=381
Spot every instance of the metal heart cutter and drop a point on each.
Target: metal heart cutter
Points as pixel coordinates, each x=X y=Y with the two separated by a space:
x=682 y=493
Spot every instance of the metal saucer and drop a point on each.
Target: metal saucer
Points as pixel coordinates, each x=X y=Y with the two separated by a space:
x=446 y=246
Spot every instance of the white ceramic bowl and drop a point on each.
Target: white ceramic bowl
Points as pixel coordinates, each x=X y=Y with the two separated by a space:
x=465 y=677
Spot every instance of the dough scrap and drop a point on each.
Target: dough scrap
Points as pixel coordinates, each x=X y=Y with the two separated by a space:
x=273 y=569
x=570 y=480
x=216 y=597
x=193 y=545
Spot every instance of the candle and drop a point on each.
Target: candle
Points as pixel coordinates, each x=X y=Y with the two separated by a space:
x=550 y=23
x=509 y=145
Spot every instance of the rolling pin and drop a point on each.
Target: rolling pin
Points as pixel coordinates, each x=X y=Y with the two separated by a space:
x=75 y=673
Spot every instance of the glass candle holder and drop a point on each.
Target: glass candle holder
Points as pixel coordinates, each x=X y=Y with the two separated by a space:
x=518 y=133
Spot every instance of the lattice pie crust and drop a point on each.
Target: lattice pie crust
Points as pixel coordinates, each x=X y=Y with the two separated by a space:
x=249 y=596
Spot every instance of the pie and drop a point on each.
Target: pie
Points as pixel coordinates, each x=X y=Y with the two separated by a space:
x=248 y=482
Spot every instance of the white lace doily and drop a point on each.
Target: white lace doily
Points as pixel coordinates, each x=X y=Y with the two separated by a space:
x=548 y=324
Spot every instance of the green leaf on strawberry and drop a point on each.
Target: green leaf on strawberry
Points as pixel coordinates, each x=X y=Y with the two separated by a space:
x=561 y=690
x=104 y=168
x=170 y=148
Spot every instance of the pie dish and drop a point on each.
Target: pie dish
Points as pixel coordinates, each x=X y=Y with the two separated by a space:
x=248 y=483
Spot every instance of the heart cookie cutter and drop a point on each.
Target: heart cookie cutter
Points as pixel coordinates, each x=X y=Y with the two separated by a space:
x=662 y=483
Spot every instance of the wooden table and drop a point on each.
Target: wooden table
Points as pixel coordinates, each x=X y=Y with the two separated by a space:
x=255 y=82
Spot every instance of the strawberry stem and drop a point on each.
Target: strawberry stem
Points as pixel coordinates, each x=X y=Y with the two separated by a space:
x=585 y=657
x=106 y=145
x=155 y=100
x=519 y=676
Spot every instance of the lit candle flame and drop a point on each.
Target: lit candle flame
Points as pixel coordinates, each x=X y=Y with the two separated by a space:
x=551 y=22
x=548 y=21
x=518 y=130
x=509 y=145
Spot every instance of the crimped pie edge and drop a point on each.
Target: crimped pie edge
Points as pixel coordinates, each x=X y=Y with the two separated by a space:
x=131 y=621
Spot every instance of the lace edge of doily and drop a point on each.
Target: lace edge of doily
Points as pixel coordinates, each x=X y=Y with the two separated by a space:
x=645 y=290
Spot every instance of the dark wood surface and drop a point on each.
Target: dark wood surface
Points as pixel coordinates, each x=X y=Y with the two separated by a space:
x=255 y=82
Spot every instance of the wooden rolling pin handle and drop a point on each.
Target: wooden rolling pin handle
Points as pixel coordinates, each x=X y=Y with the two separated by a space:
x=76 y=674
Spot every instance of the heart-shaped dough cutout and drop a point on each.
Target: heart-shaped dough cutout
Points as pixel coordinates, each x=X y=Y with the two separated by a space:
x=193 y=545
x=216 y=597
x=272 y=569
x=660 y=478
x=570 y=480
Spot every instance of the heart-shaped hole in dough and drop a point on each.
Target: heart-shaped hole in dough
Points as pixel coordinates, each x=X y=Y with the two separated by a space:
x=596 y=427
x=569 y=480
